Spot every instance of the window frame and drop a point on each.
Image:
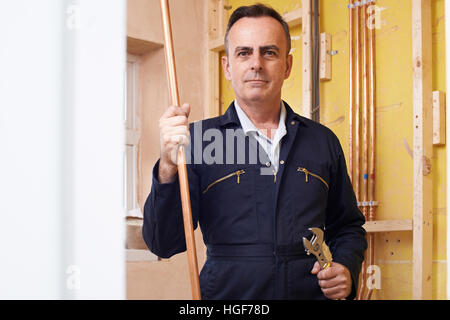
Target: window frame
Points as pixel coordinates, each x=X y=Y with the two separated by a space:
x=132 y=138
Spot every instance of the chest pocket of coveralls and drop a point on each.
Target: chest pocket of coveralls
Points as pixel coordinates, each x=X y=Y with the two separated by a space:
x=228 y=211
x=314 y=174
x=313 y=183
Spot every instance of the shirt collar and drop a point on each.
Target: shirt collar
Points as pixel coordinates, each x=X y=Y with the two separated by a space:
x=248 y=126
x=230 y=116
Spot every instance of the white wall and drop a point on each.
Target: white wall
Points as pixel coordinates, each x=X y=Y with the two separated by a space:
x=62 y=67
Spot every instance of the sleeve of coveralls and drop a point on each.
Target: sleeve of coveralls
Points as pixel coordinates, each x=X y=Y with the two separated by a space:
x=163 y=228
x=344 y=232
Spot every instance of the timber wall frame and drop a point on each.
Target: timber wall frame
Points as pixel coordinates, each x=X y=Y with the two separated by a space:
x=421 y=223
x=423 y=149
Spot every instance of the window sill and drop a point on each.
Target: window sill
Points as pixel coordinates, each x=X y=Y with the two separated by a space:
x=135 y=255
x=136 y=249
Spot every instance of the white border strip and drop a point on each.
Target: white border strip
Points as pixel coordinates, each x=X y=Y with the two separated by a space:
x=94 y=140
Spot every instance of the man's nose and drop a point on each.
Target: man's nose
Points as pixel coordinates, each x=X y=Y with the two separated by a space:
x=256 y=62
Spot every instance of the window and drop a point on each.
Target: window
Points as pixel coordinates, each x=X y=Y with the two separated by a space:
x=131 y=139
x=134 y=251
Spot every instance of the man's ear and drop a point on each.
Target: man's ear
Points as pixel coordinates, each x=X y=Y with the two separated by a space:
x=289 y=61
x=226 y=67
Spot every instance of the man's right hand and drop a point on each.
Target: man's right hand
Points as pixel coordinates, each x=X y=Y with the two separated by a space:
x=174 y=131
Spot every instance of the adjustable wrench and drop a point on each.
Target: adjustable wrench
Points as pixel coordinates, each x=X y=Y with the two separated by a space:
x=318 y=247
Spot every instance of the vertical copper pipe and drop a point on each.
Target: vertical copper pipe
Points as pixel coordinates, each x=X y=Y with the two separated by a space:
x=365 y=96
x=371 y=249
x=350 y=90
x=182 y=171
x=352 y=106
x=357 y=102
x=357 y=125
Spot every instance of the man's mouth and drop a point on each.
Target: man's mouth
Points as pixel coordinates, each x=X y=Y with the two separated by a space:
x=257 y=81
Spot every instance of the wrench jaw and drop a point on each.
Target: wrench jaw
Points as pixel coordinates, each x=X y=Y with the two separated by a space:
x=318 y=248
x=308 y=246
x=318 y=235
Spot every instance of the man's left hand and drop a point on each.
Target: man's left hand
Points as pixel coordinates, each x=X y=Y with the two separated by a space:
x=335 y=281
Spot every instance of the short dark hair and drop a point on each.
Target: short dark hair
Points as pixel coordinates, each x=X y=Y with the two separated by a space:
x=255 y=11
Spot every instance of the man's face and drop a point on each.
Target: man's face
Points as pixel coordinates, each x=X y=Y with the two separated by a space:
x=257 y=63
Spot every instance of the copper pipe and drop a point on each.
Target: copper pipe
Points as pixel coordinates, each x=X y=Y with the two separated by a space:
x=365 y=114
x=350 y=91
x=351 y=50
x=182 y=171
x=365 y=96
x=361 y=93
x=355 y=182
x=371 y=236
x=357 y=103
x=357 y=128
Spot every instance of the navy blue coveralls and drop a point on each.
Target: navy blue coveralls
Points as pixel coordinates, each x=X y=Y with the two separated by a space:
x=252 y=223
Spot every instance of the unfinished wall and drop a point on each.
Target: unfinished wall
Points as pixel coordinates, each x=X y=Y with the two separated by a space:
x=394 y=115
x=167 y=278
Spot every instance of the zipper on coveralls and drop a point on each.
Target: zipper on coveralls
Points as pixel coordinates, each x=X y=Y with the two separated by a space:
x=307 y=172
x=236 y=173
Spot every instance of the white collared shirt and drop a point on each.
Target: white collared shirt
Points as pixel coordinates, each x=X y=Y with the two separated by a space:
x=272 y=147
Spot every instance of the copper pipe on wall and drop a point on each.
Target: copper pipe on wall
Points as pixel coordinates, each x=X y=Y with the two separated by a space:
x=371 y=236
x=365 y=113
x=350 y=90
x=365 y=192
x=182 y=171
x=357 y=102
x=368 y=203
x=358 y=130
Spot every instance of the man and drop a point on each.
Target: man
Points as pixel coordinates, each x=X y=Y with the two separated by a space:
x=266 y=177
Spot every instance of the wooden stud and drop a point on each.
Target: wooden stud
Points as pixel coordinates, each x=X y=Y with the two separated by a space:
x=217 y=45
x=388 y=225
x=216 y=22
x=293 y=18
x=213 y=19
x=213 y=107
x=325 y=57
x=438 y=118
x=140 y=47
x=422 y=139
x=447 y=169
x=223 y=17
x=307 y=59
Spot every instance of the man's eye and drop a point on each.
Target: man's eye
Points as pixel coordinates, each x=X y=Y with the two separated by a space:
x=242 y=53
x=271 y=53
